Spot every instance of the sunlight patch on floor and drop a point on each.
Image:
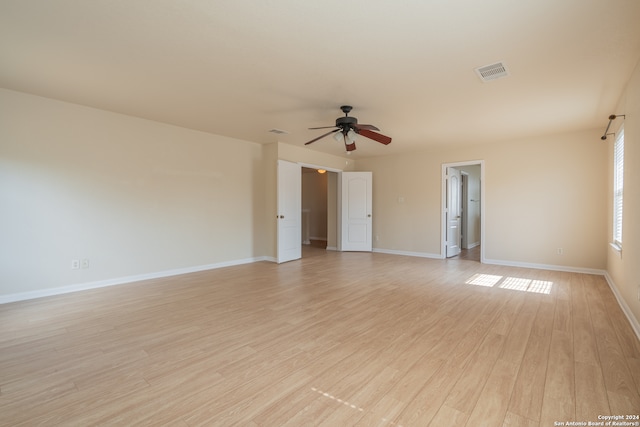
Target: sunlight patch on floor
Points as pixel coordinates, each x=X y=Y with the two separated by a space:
x=517 y=284
x=351 y=405
x=344 y=402
x=488 y=280
x=512 y=283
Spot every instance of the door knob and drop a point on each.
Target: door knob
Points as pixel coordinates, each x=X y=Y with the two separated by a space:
x=368 y=215
x=281 y=216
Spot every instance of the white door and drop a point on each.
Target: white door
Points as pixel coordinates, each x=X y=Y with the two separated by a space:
x=453 y=211
x=289 y=215
x=356 y=200
x=464 y=206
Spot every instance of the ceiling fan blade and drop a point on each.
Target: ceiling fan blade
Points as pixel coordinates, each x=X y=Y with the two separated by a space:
x=382 y=139
x=324 y=127
x=351 y=147
x=369 y=127
x=322 y=136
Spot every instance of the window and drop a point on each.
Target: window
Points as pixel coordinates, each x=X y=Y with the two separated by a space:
x=618 y=175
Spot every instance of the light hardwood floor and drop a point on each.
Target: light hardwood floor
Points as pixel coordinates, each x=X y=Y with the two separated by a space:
x=472 y=254
x=334 y=339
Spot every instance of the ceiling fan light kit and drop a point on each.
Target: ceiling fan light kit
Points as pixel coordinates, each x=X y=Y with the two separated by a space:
x=351 y=137
x=347 y=128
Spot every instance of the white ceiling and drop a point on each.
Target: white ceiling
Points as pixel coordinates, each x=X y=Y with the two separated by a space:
x=240 y=67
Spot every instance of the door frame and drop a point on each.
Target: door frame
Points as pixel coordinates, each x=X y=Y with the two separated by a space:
x=443 y=206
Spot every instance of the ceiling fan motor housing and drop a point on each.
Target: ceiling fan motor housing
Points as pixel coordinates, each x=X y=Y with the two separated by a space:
x=346 y=123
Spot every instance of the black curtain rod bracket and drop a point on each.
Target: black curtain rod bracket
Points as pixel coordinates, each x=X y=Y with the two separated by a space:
x=611 y=118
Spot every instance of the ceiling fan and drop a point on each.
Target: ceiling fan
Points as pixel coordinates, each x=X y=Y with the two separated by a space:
x=347 y=128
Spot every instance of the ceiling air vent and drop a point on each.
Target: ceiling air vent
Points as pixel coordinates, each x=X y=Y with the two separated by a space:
x=492 y=72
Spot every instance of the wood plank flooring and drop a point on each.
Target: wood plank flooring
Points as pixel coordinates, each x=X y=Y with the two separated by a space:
x=335 y=339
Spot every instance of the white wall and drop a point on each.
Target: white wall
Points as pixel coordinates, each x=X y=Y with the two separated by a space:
x=541 y=194
x=133 y=196
x=624 y=268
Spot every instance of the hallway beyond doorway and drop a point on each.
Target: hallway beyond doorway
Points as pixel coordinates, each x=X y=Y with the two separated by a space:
x=472 y=254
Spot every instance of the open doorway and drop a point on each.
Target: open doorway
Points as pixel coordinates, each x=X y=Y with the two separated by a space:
x=314 y=207
x=319 y=210
x=463 y=210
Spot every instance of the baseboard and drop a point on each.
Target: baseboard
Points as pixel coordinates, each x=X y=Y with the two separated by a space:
x=635 y=325
x=501 y=262
x=23 y=296
x=552 y=267
x=472 y=245
x=310 y=239
x=407 y=253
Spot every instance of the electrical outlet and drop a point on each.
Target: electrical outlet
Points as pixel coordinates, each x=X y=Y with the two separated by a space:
x=560 y=251
x=85 y=263
x=75 y=264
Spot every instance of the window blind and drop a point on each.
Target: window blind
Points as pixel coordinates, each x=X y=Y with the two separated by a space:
x=618 y=186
